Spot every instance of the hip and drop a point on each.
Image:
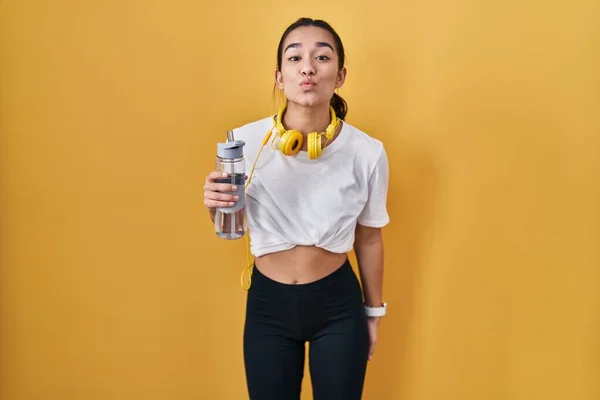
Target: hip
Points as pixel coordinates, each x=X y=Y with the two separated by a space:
x=306 y=308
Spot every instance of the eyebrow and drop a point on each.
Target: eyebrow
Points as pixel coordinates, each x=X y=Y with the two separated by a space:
x=318 y=44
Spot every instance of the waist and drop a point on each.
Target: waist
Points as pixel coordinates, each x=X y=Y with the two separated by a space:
x=299 y=265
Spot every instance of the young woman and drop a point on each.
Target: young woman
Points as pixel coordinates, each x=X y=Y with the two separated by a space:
x=311 y=199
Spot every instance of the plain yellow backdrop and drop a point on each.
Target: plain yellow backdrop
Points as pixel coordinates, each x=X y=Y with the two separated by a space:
x=114 y=285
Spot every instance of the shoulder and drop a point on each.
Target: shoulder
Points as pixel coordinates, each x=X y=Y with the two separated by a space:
x=252 y=134
x=367 y=147
x=253 y=129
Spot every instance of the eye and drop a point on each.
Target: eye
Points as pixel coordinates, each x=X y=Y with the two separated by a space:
x=322 y=58
x=293 y=58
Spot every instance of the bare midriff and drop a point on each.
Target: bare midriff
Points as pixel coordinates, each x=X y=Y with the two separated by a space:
x=302 y=264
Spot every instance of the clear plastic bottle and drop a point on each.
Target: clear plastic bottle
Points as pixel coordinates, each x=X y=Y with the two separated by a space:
x=230 y=222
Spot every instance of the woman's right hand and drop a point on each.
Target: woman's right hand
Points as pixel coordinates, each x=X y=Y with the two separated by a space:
x=216 y=193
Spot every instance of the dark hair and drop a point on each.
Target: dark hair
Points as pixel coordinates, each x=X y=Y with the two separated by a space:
x=337 y=102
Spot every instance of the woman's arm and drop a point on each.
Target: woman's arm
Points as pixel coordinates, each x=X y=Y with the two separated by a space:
x=368 y=246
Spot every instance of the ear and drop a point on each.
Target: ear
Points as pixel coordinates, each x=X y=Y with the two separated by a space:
x=341 y=78
x=278 y=79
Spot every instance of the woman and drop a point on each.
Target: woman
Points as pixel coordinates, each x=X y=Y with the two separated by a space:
x=311 y=200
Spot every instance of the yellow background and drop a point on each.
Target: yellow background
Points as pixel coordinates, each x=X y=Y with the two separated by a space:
x=114 y=286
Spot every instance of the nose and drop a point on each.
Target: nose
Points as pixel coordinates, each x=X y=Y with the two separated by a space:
x=307 y=68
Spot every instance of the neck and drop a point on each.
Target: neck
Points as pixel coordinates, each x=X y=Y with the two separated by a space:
x=307 y=119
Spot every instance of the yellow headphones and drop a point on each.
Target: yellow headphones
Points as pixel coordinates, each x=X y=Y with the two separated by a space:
x=290 y=141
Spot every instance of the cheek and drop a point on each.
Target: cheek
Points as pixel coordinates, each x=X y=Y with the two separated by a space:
x=331 y=75
x=288 y=75
x=284 y=76
x=290 y=82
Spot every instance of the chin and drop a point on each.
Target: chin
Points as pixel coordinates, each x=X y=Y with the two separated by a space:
x=308 y=99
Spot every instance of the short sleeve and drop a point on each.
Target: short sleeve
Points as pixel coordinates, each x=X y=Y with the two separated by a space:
x=374 y=213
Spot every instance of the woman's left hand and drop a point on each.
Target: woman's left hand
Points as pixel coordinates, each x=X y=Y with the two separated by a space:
x=373 y=323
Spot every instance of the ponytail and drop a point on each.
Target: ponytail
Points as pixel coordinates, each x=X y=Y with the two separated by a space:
x=339 y=106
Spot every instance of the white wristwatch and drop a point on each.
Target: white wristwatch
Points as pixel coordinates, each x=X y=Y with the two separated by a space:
x=376 y=311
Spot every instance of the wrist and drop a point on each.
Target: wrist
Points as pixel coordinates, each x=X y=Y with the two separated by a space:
x=371 y=303
x=378 y=311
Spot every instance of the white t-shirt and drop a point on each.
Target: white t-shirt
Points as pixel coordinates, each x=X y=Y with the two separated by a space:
x=293 y=200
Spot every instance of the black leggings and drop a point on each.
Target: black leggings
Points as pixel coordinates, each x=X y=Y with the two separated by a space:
x=281 y=318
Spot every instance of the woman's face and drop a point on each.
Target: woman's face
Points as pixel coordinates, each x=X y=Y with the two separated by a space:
x=309 y=67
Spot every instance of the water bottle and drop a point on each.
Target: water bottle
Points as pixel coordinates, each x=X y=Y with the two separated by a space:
x=230 y=222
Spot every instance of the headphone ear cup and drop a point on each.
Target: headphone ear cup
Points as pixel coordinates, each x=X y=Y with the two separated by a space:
x=291 y=142
x=314 y=145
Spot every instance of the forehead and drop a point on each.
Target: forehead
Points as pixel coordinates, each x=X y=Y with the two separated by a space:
x=308 y=36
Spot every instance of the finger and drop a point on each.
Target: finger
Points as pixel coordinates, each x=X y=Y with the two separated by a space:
x=371 y=350
x=218 y=204
x=216 y=175
x=218 y=196
x=219 y=187
x=219 y=200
